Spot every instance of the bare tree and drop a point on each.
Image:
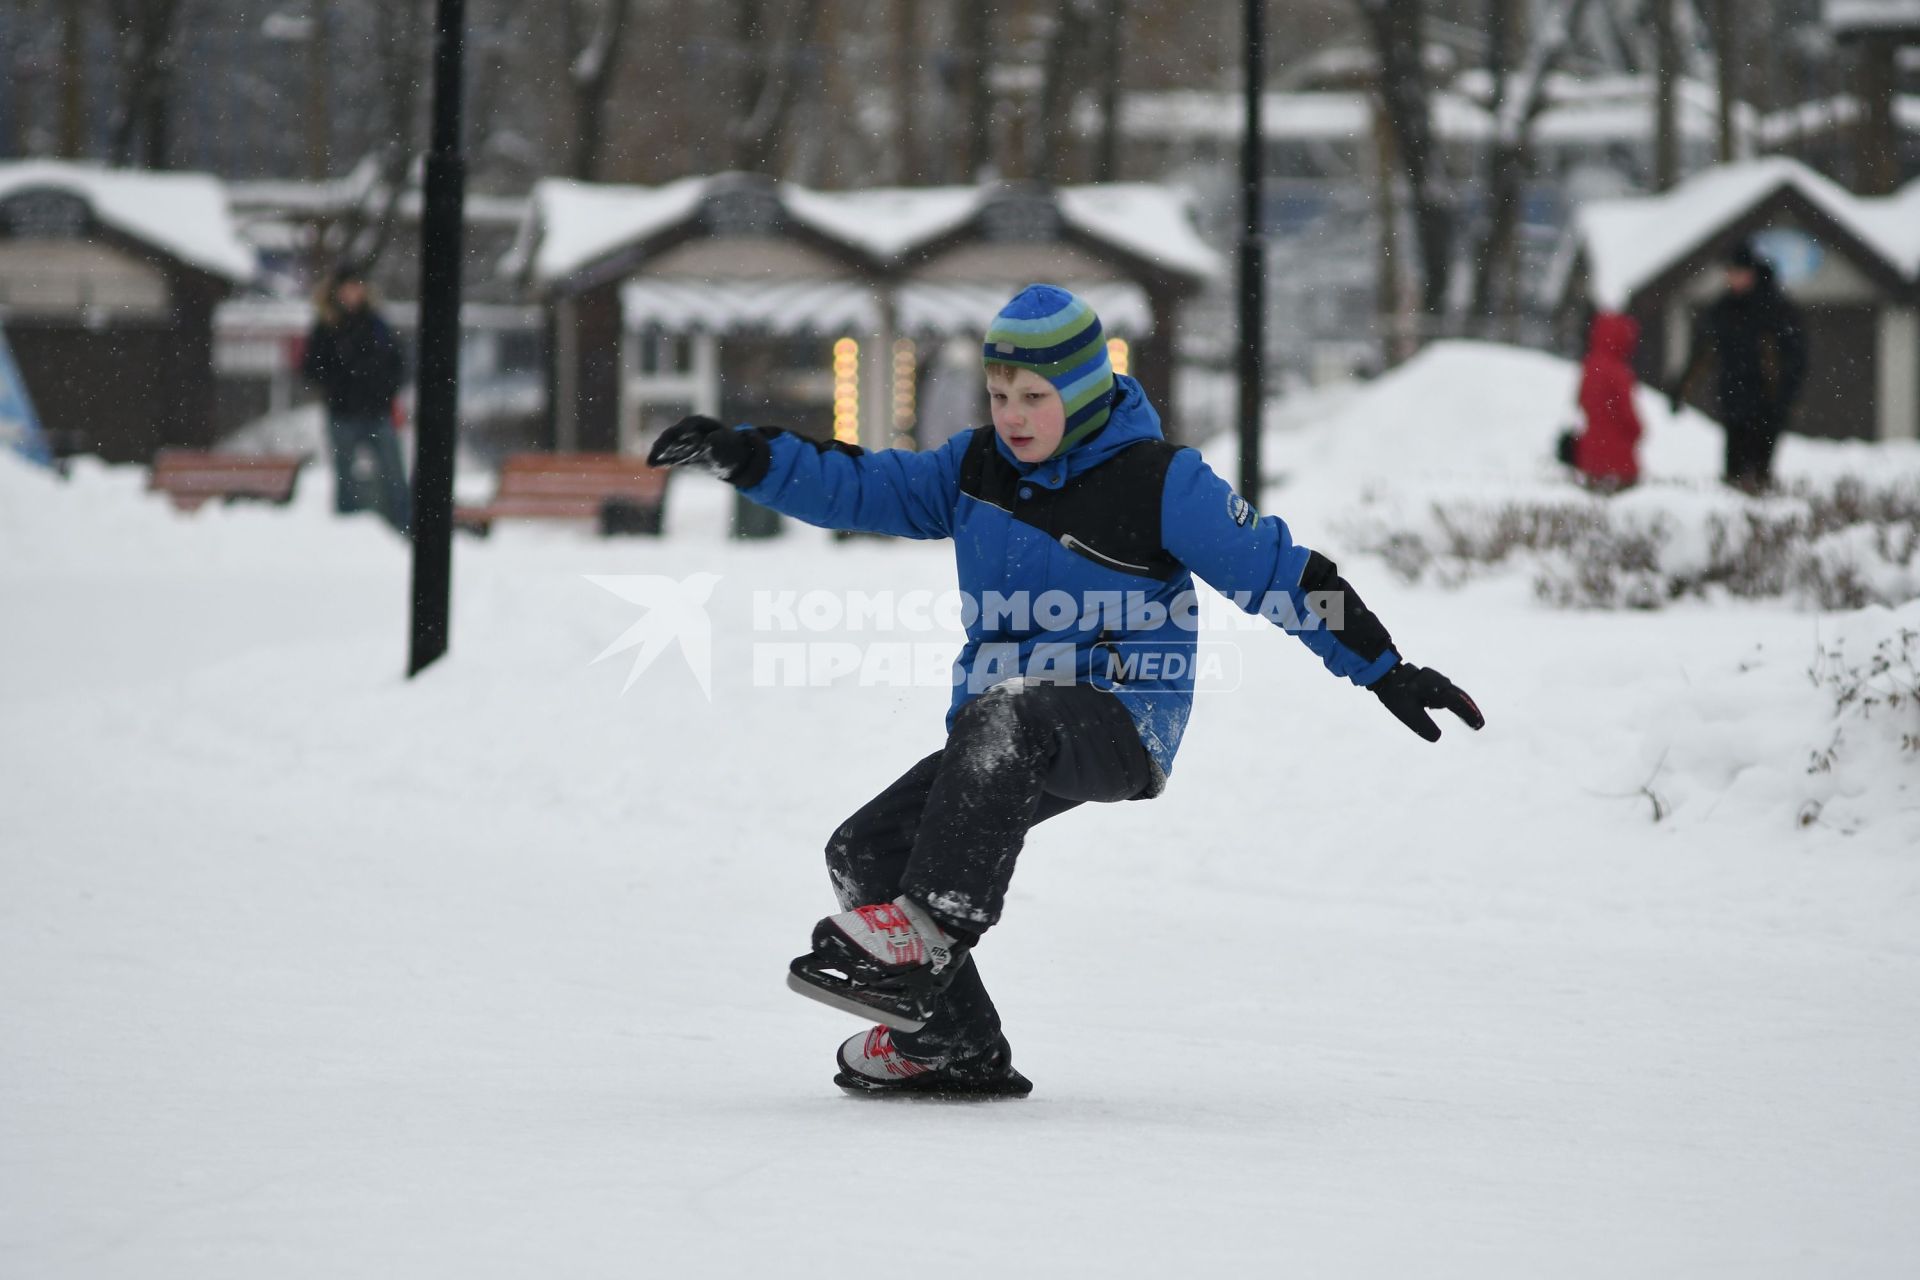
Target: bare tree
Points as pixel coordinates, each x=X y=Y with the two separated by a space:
x=1726 y=61
x=1064 y=31
x=145 y=59
x=977 y=136
x=73 y=80
x=1106 y=156
x=907 y=166
x=399 y=35
x=766 y=83
x=1397 y=29
x=496 y=54
x=1515 y=108
x=594 y=31
x=1069 y=30
x=319 y=95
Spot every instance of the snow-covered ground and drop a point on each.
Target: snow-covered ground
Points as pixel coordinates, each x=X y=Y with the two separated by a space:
x=307 y=970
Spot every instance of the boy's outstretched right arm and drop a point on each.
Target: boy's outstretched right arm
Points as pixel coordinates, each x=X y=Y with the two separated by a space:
x=837 y=486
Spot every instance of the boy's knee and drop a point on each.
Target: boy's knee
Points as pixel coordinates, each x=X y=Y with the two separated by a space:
x=1002 y=705
x=995 y=715
x=997 y=727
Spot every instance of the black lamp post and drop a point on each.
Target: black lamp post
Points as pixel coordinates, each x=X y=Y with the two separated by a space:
x=1253 y=263
x=442 y=228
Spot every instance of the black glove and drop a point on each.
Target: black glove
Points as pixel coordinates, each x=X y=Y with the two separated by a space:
x=1409 y=691
x=702 y=442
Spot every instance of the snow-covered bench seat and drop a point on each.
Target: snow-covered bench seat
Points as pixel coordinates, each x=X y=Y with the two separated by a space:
x=619 y=491
x=191 y=478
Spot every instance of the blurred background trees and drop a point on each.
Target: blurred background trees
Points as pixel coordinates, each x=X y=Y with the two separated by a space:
x=1424 y=155
x=833 y=92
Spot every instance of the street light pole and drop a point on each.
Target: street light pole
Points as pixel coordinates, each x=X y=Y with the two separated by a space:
x=1253 y=333
x=442 y=226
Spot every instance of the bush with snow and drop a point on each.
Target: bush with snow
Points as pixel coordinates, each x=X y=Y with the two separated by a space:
x=1844 y=545
x=1875 y=685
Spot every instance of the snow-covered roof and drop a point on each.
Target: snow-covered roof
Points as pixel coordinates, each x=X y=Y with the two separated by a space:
x=185 y=214
x=1620 y=109
x=1177 y=114
x=1604 y=109
x=570 y=224
x=1873 y=15
x=1337 y=115
x=1144 y=219
x=885 y=222
x=1627 y=243
x=255 y=201
x=1149 y=221
x=305 y=195
x=1894 y=226
x=1823 y=115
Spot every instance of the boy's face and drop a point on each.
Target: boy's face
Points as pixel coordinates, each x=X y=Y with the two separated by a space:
x=1027 y=414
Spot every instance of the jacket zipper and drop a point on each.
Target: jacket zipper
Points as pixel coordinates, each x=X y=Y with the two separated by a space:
x=1072 y=543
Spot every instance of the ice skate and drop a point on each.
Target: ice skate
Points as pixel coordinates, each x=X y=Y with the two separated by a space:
x=871 y=1065
x=889 y=961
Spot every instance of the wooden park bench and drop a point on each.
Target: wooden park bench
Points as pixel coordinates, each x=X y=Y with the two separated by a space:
x=191 y=478
x=622 y=493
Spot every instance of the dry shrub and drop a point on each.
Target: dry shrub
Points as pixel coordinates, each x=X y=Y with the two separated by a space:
x=1843 y=546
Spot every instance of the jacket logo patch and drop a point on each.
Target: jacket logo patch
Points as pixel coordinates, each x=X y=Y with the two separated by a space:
x=1239 y=509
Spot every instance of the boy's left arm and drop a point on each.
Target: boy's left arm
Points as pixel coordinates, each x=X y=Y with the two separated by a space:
x=1254 y=561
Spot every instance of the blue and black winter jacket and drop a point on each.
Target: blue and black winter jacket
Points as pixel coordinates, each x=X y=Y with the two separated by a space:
x=1080 y=567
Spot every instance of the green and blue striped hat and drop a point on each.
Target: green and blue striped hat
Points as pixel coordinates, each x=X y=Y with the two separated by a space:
x=1048 y=330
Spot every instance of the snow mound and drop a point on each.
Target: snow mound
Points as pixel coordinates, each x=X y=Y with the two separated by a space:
x=1463 y=416
x=1448 y=462
x=1822 y=733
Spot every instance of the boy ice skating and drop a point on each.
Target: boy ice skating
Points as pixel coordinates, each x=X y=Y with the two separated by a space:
x=1076 y=531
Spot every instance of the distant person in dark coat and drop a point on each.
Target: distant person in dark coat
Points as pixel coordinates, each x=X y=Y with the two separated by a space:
x=1604 y=453
x=355 y=359
x=1757 y=337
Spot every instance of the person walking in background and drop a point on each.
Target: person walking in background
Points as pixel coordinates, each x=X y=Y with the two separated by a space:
x=353 y=356
x=1605 y=452
x=1756 y=336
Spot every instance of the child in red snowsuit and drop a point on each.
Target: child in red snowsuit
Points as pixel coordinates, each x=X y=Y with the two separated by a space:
x=1604 y=452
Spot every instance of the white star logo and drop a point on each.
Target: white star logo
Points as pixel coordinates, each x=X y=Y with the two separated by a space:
x=676 y=611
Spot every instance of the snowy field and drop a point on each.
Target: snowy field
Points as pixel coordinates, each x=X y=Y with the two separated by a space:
x=308 y=971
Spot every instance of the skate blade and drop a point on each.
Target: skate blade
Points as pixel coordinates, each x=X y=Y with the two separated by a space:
x=1000 y=1091
x=853 y=1005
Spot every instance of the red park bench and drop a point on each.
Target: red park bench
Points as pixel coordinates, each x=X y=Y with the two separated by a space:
x=191 y=478
x=622 y=493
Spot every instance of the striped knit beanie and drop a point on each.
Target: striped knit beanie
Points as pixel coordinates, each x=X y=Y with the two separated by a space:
x=1048 y=330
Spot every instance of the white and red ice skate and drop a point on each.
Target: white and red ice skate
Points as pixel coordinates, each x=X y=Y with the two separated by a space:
x=889 y=961
x=871 y=1064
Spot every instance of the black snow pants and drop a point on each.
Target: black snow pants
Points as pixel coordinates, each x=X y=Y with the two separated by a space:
x=948 y=831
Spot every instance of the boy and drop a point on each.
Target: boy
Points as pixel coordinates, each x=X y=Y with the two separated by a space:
x=1071 y=496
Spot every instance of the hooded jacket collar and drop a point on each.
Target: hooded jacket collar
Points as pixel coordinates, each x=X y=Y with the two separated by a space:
x=1132 y=420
